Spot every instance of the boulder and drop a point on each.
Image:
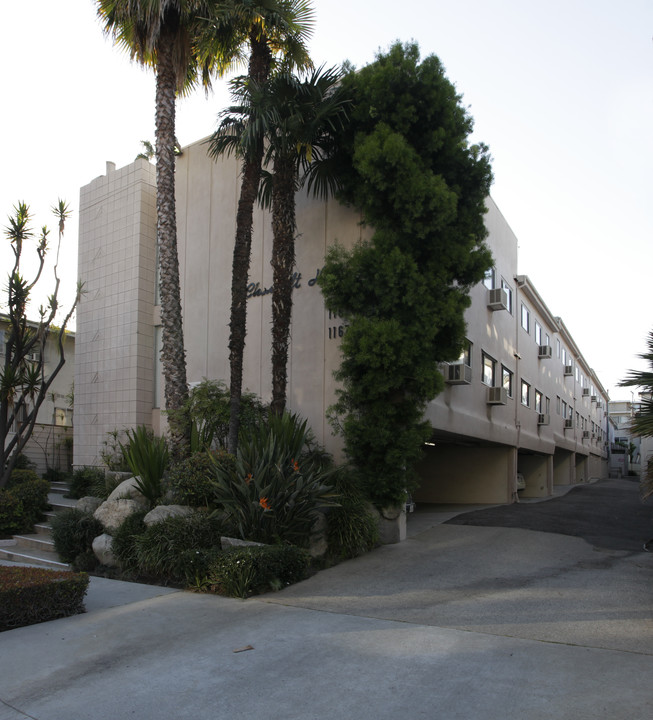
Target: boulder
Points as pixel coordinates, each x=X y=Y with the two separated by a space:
x=128 y=490
x=89 y=504
x=161 y=512
x=103 y=550
x=226 y=542
x=112 y=513
x=392 y=525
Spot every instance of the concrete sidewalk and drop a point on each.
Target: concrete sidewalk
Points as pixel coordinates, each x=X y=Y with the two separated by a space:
x=456 y=622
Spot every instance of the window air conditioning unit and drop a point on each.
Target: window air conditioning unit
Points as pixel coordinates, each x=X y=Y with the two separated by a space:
x=32 y=357
x=569 y=370
x=599 y=406
x=544 y=351
x=594 y=398
x=497 y=396
x=543 y=419
x=497 y=299
x=569 y=424
x=459 y=374
x=586 y=392
x=586 y=434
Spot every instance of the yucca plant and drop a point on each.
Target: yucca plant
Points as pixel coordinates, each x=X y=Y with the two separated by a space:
x=276 y=486
x=147 y=457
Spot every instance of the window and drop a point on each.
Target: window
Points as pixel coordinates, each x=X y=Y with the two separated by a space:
x=557 y=404
x=538 y=333
x=564 y=409
x=506 y=380
x=525 y=318
x=488 y=280
x=577 y=419
x=558 y=346
x=525 y=393
x=547 y=405
x=465 y=355
x=577 y=374
x=547 y=339
x=508 y=289
x=538 y=402
x=489 y=369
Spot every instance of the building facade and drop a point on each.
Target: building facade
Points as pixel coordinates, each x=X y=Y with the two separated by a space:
x=521 y=400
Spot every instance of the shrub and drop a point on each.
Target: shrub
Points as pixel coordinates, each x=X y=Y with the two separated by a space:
x=83 y=480
x=20 y=476
x=147 y=457
x=351 y=528
x=191 y=480
x=22 y=505
x=112 y=454
x=197 y=567
x=73 y=532
x=241 y=572
x=273 y=491
x=56 y=475
x=124 y=540
x=24 y=463
x=159 y=549
x=11 y=513
x=33 y=595
x=33 y=494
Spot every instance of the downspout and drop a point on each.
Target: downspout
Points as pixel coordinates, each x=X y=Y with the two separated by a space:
x=516 y=390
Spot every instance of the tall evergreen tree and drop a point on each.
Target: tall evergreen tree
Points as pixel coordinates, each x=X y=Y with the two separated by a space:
x=407 y=164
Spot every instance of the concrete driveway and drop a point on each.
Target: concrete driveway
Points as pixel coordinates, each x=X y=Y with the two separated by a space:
x=456 y=622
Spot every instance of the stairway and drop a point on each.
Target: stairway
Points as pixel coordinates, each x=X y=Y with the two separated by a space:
x=37 y=548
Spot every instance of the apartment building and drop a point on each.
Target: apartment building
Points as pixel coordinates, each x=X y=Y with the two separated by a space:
x=520 y=402
x=51 y=442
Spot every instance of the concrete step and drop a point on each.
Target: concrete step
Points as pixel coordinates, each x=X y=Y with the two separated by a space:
x=58 y=502
x=14 y=554
x=43 y=528
x=59 y=488
x=35 y=542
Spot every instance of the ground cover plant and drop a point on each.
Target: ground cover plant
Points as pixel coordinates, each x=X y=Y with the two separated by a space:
x=73 y=532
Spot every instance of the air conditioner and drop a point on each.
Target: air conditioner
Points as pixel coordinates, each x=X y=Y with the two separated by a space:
x=594 y=398
x=569 y=424
x=545 y=351
x=458 y=374
x=599 y=405
x=497 y=396
x=586 y=434
x=497 y=299
x=32 y=357
x=586 y=392
x=543 y=419
x=569 y=370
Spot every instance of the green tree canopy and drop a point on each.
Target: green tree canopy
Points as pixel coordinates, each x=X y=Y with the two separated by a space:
x=406 y=162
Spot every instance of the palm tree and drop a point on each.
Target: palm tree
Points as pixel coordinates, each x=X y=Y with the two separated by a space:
x=293 y=123
x=642 y=423
x=163 y=34
x=269 y=27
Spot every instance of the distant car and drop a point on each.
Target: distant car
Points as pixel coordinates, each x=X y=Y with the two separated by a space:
x=521 y=483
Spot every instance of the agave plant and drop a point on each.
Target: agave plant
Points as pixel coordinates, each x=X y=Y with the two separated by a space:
x=147 y=457
x=273 y=491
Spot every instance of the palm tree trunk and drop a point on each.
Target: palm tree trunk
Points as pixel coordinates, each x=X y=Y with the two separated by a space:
x=259 y=70
x=173 y=356
x=283 y=261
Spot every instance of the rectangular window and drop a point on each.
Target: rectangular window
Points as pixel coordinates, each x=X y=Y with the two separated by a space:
x=557 y=404
x=506 y=380
x=538 y=333
x=577 y=374
x=547 y=339
x=525 y=393
x=508 y=289
x=465 y=355
x=525 y=318
x=488 y=280
x=564 y=409
x=577 y=419
x=547 y=405
x=558 y=346
x=489 y=370
x=538 y=402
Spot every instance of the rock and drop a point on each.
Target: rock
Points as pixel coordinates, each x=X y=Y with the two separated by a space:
x=392 y=525
x=89 y=504
x=112 y=513
x=103 y=550
x=128 y=490
x=161 y=512
x=226 y=542
x=319 y=544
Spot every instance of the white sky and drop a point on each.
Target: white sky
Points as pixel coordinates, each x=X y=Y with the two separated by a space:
x=561 y=91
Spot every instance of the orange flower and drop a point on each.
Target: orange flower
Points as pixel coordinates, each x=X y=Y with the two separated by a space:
x=248 y=479
x=295 y=465
x=263 y=502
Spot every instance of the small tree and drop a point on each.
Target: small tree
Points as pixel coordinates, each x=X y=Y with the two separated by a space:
x=24 y=384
